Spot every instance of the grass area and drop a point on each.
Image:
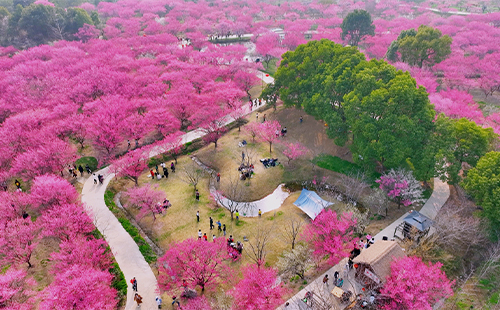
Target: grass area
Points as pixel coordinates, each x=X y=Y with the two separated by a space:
x=271 y=68
x=87 y=160
x=340 y=165
x=144 y=247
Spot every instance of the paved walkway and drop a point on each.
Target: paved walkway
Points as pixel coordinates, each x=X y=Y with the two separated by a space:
x=430 y=209
x=125 y=250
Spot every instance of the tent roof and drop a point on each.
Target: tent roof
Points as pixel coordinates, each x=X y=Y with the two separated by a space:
x=379 y=256
x=418 y=220
x=311 y=203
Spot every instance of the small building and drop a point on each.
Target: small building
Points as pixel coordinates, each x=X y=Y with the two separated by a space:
x=414 y=226
x=373 y=265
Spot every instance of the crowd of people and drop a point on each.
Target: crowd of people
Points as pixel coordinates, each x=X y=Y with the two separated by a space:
x=155 y=174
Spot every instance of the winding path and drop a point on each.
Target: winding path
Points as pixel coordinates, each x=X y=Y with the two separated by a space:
x=124 y=248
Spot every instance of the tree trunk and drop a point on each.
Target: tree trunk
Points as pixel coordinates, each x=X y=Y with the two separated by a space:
x=270 y=143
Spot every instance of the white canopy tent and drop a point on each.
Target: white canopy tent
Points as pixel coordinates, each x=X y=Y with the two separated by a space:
x=311 y=203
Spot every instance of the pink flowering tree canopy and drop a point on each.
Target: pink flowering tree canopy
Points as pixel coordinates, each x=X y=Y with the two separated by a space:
x=197 y=262
x=146 y=198
x=401 y=186
x=414 y=284
x=15 y=290
x=331 y=235
x=269 y=132
x=79 y=288
x=258 y=289
x=131 y=165
x=294 y=150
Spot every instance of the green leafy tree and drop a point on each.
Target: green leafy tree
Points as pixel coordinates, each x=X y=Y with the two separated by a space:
x=390 y=118
x=38 y=22
x=356 y=25
x=315 y=77
x=95 y=18
x=483 y=184
x=3 y=13
x=392 y=54
x=75 y=18
x=459 y=142
x=13 y=28
x=427 y=47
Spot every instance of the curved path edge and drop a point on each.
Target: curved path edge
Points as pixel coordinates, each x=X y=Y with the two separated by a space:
x=124 y=248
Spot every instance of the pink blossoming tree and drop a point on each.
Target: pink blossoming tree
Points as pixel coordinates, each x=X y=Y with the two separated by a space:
x=414 y=284
x=401 y=186
x=269 y=132
x=293 y=151
x=197 y=262
x=258 y=289
x=146 y=198
x=331 y=235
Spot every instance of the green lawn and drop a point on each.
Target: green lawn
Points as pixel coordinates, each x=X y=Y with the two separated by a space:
x=340 y=165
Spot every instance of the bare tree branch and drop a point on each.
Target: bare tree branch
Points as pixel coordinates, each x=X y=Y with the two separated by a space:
x=291 y=229
x=257 y=245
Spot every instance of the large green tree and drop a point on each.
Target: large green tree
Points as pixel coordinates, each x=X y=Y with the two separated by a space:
x=390 y=118
x=427 y=47
x=483 y=184
x=392 y=51
x=316 y=76
x=74 y=19
x=459 y=142
x=37 y=20
x=356 y=25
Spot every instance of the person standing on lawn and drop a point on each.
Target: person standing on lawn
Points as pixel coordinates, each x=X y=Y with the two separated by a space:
x=211 y=223
x=198 y=216
x=197 y=195
x=224 y=229
x=199 y=234
x=219 y=225
x=205 y=236
x=152 y=174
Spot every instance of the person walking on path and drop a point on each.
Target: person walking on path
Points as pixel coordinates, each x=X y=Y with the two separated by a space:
x=95 y=179
x=152 y=174
x=138 y=299
x=174 y=300
x=134 y=284
x=197 y=195
x=224 y=229
x=199 y=234
x=172 y=166
x=325 y=279
x=219 y=226
x=301 y=119
x=80 y=168
x=198 y=216
x=205 y=236
x=158 y=301
x=218 y=177
x=260 y=213
x=211 y=223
